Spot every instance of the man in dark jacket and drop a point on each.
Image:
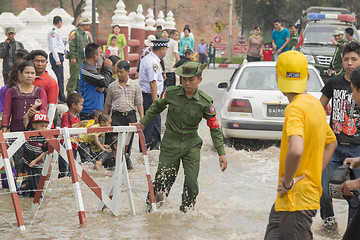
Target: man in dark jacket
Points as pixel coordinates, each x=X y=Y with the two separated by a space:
x=91 y=83
x=8 y=50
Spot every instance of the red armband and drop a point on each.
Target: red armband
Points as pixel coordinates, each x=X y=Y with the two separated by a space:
x=213 y=123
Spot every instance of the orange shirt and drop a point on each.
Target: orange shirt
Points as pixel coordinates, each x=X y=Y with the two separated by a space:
x=50 y=86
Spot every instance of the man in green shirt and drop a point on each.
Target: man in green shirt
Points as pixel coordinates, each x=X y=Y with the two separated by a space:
x=293 y=37
x=76 y=53
x=336 y=62
x=187 y=105
x=158 y=33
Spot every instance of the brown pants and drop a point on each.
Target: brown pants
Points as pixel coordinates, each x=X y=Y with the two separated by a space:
x=289 y=225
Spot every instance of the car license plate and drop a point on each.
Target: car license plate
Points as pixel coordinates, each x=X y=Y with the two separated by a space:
x=275 y=110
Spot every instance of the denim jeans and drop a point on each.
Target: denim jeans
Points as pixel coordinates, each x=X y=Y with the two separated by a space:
x=341 y=152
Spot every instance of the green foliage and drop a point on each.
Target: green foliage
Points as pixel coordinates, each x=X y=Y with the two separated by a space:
x=220 y=59
x=237 y=60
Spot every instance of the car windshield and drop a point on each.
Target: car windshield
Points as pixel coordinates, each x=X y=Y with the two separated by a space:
x=263 y=78
x=320 y=34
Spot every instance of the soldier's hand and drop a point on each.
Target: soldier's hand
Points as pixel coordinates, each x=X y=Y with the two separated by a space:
x=108 y=63
x=73 y=62
x=138 y=125
x=58 y=63
x=7 y=40
x=223 y=162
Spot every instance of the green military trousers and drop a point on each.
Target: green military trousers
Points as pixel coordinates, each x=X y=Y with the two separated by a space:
x=72 y=84
x=173 y=149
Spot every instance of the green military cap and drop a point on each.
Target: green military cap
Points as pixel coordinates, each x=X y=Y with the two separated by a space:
x=9 y=30
x=190 y=69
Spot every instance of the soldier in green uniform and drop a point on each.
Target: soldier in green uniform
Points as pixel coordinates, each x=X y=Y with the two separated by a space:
x=187 y=105
x=76 y=53
x=336 y=62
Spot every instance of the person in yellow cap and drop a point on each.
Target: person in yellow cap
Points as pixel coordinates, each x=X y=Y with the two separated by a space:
x=76 y=54
x=187 y=106
x=307 y=144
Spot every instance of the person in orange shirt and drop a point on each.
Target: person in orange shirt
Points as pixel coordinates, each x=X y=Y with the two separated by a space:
x=45 y=81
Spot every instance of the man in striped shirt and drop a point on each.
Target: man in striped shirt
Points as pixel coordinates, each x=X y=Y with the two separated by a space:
x=123 y=98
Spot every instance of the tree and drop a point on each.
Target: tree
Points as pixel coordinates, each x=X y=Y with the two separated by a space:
x=77 y=10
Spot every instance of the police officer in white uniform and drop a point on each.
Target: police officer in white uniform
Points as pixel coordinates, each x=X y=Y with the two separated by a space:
x=57 y=50
x=152 y=82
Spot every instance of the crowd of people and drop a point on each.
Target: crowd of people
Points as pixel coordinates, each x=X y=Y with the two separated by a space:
x=100 y=93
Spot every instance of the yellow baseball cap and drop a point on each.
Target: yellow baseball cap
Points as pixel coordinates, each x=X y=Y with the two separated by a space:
x=292 y=70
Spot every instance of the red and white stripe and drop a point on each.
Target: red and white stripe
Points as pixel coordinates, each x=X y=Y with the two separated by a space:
x=11 y=182
x=74 y=177
x=106 y=196
x=147 y=169
x=42 y=180
x=75 y=168
x=225 y=65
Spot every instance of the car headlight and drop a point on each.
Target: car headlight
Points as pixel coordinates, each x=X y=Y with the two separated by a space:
x=310 y=59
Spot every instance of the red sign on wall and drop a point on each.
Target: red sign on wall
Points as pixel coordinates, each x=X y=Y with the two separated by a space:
x=239 y=48
x=220 y=47
x=242 y=40
x=217 y=39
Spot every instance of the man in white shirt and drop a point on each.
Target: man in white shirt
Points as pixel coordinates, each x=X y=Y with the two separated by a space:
x=171 y=57
x=57 y=50
x=151 y=82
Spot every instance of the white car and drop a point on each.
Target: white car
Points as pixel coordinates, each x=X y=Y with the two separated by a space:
x=253 y=106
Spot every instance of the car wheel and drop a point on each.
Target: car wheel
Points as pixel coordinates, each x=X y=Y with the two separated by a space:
x=252 y=144
x=228 y=141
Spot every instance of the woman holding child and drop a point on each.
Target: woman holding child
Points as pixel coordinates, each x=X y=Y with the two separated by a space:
x=121 y=41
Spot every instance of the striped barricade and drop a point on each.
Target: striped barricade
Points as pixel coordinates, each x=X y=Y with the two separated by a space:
x=109 y=198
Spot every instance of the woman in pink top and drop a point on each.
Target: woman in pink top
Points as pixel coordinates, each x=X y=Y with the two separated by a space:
x=20 y=100
x=254 y=46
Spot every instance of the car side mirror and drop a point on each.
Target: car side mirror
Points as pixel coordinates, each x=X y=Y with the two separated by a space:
x=222 y=85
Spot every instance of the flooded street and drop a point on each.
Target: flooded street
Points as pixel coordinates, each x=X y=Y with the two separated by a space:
x=231 y=205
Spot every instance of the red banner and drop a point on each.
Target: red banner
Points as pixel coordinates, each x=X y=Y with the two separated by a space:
x=220 y=47
x=239 y=48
